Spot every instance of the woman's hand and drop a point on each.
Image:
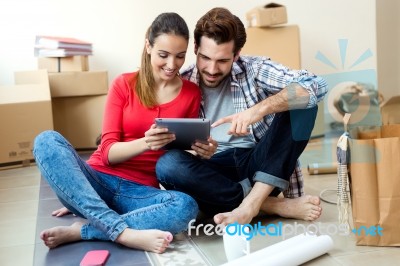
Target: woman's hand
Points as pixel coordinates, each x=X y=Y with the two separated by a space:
x=155 y=138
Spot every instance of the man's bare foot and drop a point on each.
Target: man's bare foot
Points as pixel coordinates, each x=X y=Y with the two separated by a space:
x=149 y=240
x=242 y=215
x=60 y=212
x=58 y=235
x=304 y=208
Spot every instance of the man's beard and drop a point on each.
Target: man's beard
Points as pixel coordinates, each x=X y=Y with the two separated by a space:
x=211 y=84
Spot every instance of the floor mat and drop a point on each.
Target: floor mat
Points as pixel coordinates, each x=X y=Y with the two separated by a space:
x=72 y=254
x=181 y=252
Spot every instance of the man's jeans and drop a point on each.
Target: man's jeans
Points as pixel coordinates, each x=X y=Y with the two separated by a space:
x=111 y=204
x=220 y=183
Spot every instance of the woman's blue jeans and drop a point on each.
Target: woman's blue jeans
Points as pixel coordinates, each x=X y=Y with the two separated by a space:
x=109 y=203
x=221 y=183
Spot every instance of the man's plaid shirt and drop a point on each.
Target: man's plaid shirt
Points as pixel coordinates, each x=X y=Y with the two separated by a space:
x=254 y=79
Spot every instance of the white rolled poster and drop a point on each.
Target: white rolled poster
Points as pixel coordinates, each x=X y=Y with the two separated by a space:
x=293 y=251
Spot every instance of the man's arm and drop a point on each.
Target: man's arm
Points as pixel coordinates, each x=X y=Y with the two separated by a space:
x=292 y=97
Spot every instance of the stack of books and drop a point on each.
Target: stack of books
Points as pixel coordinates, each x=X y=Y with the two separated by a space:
x=50 y=46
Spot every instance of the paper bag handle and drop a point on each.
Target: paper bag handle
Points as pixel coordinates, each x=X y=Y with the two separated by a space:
x=346 y=120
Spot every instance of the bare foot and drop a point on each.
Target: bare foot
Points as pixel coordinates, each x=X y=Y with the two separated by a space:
x=305 y=208
x=58 y=235
x=149 y=240
x=60 y=212
x=242 y=215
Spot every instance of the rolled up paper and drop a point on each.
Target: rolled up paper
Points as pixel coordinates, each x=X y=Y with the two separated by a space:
x=322 y=168
x=293 y=251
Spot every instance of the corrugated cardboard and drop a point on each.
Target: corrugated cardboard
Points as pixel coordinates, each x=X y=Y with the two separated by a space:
x=64 y=64
x=390 y=111
x=268 y=15
x=79 y=119
x=281 y=44
x=68 y=84
x=25 y=111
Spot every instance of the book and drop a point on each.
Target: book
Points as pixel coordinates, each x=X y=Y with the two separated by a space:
x=42 y=52
x=52 y=42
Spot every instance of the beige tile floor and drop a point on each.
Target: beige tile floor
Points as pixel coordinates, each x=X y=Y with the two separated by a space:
x=19 y=195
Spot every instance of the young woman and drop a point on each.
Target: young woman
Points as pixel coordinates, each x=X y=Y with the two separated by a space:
x=116 y=190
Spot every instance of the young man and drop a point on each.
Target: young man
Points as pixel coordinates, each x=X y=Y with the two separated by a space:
x=262 y=113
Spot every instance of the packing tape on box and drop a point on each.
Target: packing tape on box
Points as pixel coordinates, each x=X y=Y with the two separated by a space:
x=322 y=168
x=293 y=251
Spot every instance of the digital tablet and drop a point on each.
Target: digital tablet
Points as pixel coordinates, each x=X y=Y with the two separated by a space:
x=187 y=131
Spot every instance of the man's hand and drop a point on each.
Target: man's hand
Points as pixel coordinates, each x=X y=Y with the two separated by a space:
x=240 y=122
x=205 y=150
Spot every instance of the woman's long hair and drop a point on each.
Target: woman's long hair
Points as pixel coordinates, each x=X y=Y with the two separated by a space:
x=165 y=23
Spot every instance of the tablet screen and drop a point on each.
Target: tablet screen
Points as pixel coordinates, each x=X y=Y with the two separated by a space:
x=186 y=130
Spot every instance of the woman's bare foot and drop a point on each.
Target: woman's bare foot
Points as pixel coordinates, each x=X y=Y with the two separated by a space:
x=305 y=208
x=58 y=235
x=149 y=240
x=60 y=212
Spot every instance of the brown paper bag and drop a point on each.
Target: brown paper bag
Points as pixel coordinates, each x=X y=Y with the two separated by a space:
x=374 y=175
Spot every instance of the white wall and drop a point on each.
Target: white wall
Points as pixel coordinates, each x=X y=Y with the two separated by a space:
x=116 y=29
x=388 y=47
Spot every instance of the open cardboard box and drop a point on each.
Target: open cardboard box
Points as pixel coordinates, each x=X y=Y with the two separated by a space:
x=267 y=15
x=25 y=110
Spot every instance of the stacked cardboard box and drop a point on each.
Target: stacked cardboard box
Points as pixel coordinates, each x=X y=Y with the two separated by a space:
x=25 y=110
x=269 y=35
x=78 y=99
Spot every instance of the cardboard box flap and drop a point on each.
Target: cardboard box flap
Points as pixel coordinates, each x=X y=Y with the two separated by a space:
x=31 y=77
x=390 y=111
x=23 y=94
x=33 y=86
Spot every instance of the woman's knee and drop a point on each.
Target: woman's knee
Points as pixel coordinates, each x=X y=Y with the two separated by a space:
x=186 y=207
x=45 y=138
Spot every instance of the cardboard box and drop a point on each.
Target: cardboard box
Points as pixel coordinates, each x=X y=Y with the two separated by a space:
x=268 y=15
x=68 y=84
x=390 y=111
x=64 y=64
x=25 y=110
x=281 y=44
x=79 y=119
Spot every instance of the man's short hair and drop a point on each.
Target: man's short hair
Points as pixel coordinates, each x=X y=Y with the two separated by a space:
x=222 y=26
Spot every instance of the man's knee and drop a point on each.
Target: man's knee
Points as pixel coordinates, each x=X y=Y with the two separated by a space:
x=302 y=122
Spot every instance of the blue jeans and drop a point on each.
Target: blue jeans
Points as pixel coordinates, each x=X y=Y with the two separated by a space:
x=109 y=203
x=221 y=183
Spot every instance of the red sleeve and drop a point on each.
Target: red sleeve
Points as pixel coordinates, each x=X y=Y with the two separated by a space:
x=113 y=114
